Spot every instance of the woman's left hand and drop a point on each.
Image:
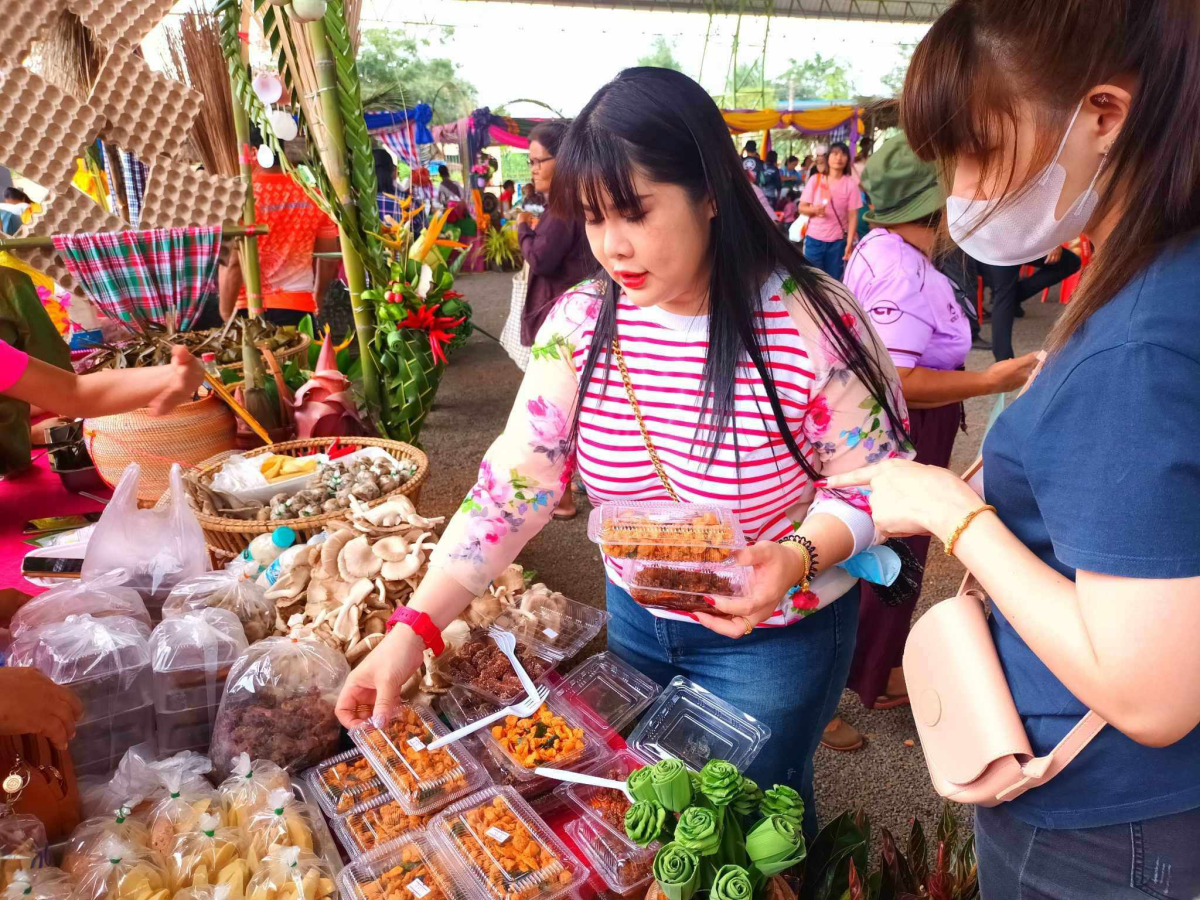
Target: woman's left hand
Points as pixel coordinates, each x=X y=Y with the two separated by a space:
x=910 y=498
x=776 y=570
x=849 y=250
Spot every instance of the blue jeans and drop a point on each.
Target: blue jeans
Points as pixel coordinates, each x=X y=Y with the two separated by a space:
x=790 y=679
x=1152 y=858
x=826 y=255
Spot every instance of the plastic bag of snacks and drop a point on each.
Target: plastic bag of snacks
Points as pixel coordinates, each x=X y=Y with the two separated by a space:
x=106 y=662
x=141 y=781
x=191 y=656
x=225 y=590
x=85 y=847
x=209 y=892
x=181 y=809
x=122 y=871
x=283 y=822
x=279 y=704
x=22 y=846
x=246 y=790
x=39 y=884
x=211 y=854
x=101 y=597
x=289 y=873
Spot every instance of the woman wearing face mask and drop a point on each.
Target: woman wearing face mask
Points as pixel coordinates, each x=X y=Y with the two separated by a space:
x=752 y=375
x=1091 y=555
x=831 y=201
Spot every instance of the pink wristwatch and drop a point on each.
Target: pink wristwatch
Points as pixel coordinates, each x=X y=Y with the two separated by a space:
x=420 y=623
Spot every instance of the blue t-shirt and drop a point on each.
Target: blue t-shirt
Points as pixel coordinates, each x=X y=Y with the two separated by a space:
x=1097 y=467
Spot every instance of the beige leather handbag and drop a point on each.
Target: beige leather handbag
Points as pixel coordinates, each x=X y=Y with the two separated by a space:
x=974 y=742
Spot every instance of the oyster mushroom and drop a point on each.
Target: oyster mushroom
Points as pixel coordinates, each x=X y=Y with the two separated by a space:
x=331 y=549
x=405 y=568
x=360 y=591
x=512 y=578
x=357 y=561
x=291 y=585
x=391 y=549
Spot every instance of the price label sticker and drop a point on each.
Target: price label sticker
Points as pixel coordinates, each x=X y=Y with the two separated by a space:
x=550 y=633
x=497 y=835
x=417 y=888
x=416 y=743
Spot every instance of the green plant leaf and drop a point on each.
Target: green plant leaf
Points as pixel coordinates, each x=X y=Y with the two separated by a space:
x=918 y=853
x=947 y=829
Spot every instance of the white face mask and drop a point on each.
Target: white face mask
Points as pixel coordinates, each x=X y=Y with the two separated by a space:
x=1025 y=229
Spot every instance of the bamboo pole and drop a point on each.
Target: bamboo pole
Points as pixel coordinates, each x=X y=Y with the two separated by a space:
x=331 y=139
x=251 y=270
x=228 y=232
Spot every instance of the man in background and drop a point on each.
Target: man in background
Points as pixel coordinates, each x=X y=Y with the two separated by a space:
x=12 y=210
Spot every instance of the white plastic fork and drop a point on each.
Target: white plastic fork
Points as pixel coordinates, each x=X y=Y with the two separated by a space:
x=580 y=778
x=508 y=646
x=523 y=710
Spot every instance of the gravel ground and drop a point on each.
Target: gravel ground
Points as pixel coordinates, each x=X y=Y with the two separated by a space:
x=887 y=777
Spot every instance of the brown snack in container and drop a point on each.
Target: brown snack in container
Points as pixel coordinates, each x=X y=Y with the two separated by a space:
x=679 y=589
x=381 y=824
x=397 y=882
x=611 y=805
x=482 y=665
x=351 y=782
x=634 y=535
x=420 y=773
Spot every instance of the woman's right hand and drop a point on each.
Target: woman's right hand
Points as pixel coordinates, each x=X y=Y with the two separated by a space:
x=1011 y=374
x=30 y=703
x=378 y=680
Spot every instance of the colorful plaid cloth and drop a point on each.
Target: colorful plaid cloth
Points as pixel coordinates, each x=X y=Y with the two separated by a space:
x=164 y=275
x=134 y=174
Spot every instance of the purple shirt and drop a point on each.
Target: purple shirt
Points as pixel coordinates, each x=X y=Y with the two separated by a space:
x=911 y=304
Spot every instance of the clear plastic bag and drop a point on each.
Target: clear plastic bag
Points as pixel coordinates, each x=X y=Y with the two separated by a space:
x=289 y=873
x=210 y=892
x=85 y=847
x=279 y=704
x=22 y=846
x=191 y=656
x=283 y=821
x=186 y=801
x=47 y=883
x=142 y=780
x=213 y=853
x=121 y=870
x=100 y=597
x=106 y=662
x=225 y=590
x=246 y=790
x=157 y=547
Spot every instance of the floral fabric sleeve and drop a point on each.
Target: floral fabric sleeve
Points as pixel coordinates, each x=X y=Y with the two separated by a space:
x=526 y=469
x=845 y=425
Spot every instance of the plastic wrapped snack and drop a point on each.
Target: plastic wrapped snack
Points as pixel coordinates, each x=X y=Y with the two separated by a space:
x=342 y=782
x=683 y=587
x=85 y=848
x=211 y=854
x=48 y=883
x=668 y=532
x=181 y=809
x=210 y=892
x=414 y=869
x=480 y=666
x=229 y=591
x=289 y=873
x=141 y=781
x=283 y=821
x=279 y=704
x=191 y=656
x=246 y=790
x=376 y=825
x=101 y=597
x=122 y=871
x=22 y=846
x=106 y=662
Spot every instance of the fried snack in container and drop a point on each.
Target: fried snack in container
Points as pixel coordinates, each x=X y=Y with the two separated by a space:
x=668 y=532
x=343 y=782
x=376 y=824
x=415 y=869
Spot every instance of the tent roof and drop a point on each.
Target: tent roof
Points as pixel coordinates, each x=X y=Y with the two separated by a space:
x=910 y=11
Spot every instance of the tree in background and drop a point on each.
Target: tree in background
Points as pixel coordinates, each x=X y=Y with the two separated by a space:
x=817 y=78
x=661 y=55
x=391 y=60
x=894 y=80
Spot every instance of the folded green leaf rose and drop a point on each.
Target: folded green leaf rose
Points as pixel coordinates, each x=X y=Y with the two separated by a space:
x=641 y=785
x=732 y=883
x=644 y=822
x=720 y=782
x=677 y=871
x=775 y=844
x=782 y=800
x=748 y=797
x=699 y=830
x=672 y=786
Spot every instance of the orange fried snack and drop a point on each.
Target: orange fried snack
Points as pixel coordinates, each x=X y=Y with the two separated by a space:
x=397 y=883
x=703 y=538
x=540 y=739
x=378 y=825
x=351 y=782
x=422 y=774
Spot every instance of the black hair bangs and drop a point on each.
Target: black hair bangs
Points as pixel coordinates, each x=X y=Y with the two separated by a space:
x=595 y=172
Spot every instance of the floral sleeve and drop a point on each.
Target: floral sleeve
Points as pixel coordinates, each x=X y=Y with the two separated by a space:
x=526 y=469
x=845 y=425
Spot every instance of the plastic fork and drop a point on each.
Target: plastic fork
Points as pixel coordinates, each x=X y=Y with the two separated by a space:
x=523 y=710
x=508 y=646
x=580 y=778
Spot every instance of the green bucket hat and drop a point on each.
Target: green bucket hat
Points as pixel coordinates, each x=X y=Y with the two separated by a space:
x=902 y=188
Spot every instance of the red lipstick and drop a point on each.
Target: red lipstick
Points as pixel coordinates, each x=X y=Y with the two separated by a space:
x=635 y=281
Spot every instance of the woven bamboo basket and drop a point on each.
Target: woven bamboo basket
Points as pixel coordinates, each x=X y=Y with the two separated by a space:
x=188 y=435
x=229 y=537
x=281 y=355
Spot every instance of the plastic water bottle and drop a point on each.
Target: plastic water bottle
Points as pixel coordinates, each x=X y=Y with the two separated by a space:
x=265 y=549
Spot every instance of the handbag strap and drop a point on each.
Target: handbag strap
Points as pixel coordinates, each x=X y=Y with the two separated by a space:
x=637 y=414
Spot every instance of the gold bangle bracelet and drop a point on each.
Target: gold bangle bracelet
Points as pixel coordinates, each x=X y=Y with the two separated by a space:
x=803 y=551
x=962 y=526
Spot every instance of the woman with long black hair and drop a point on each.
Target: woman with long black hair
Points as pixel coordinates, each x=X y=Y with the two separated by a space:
x=708 y=364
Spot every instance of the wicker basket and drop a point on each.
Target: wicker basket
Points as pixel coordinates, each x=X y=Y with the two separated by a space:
x=281 y=355
x=229 y=537
x=188 y=435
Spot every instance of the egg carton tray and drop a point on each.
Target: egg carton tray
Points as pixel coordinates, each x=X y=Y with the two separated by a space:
x=178 y=195
x=66 y=211
x=116 y=21
x=26 y=21
x=42 y=128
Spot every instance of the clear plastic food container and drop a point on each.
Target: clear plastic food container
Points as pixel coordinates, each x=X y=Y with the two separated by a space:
x=554 y=624
x=373 y=826
x=683 y=587
x=693 y=725
x=343 y=782
x=606 y=807
x=480 y=667
x=607 y=692
x=666 y=532
x=553 y=738
x=417 y=869
x=421 y=780
x=506 y=851
x=623 y=865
